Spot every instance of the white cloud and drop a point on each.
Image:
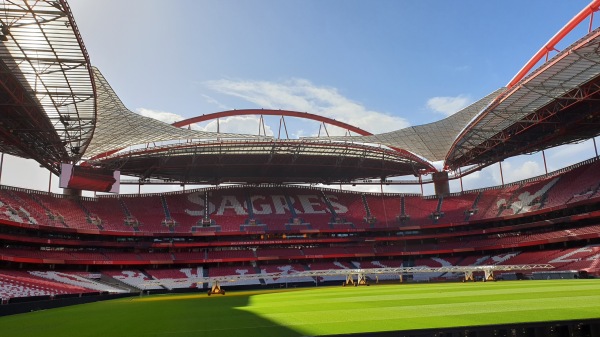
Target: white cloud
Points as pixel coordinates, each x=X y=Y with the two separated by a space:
x=211 y=100
x=448 y=105
x=302 y=95
x=167 y=117
x=511 y=173
x=238 y=124
x=565 y=155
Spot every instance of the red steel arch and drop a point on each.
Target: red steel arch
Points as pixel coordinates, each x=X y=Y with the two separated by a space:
x=287 y=113
x=588 y=11
x=297 y=114
x=271 y=112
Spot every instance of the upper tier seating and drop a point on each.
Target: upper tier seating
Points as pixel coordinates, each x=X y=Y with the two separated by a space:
x=576 y=185
x=70 y=210
x=295 y=208
x=30 y=209
x=350 y=205
x=492 y=201
x=149 y=212
x=230 y=209
x=455 y=208
x=383 y=209
x=529 y=197
x=110 y=212
x=186 y=209
x=420 y=210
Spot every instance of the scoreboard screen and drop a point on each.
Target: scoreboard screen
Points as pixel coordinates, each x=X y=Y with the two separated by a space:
x=89 y=178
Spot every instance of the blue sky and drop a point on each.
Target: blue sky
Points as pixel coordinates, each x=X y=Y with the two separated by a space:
x=380 y=65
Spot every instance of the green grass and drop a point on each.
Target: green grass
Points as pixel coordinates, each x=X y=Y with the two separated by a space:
x=317 y=311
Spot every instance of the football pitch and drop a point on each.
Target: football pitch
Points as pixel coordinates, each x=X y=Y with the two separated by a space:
x=317 y=311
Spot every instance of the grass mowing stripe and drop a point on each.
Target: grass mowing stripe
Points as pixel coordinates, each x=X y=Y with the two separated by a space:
x=317 y=311
x=321 y=321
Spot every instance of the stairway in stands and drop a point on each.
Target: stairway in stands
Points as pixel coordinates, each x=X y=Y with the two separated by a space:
x=128 y=215
x=169 y=221
x=329 y=206
x=369 y=217
x=90 y=218
x=473 y=210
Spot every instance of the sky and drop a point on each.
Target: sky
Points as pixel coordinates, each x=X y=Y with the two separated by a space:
x=380 y=65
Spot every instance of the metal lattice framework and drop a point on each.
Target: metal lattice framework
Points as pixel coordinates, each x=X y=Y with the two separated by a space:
x=118 y=127
x=54 y=107
x=431 y=141
x=304 y=115
x=48 y=100
x=469 y=270
x=378 y=271
x=562 y=83
x=234 y=161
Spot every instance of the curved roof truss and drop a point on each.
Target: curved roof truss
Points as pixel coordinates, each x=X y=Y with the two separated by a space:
x=46 y=73
x=303 y=115
x=508 y=126
x=118 y=127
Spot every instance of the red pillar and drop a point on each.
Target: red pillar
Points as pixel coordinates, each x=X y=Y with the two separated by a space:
x=460 y=178
x=1 y=165
x=49 y=181
x=545 y=166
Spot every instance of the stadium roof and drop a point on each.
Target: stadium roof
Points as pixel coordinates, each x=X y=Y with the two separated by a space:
x=48 y=96
x=57 y=108
x=118 y=127
x=555 y=104
x=431 y=141
x=281 y=161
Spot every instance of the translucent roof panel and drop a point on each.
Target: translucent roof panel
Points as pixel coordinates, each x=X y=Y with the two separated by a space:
x=41 y=48
x=564 y=74
x=118 y=127
x=430 y=141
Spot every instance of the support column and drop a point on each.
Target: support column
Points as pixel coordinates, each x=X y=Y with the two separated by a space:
x=50 y=181
x=1 y=166
x=545 y=166
x=441 y=183
x=460 y=178
x=501 y=174
x=383 y=202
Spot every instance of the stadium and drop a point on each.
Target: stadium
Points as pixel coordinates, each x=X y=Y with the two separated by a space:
x=276 y=241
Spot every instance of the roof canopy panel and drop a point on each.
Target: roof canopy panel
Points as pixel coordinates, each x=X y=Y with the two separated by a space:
x=262 y=161
x=430 y=141
x=118 y=127
x=46 y=75
x=553 y=89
